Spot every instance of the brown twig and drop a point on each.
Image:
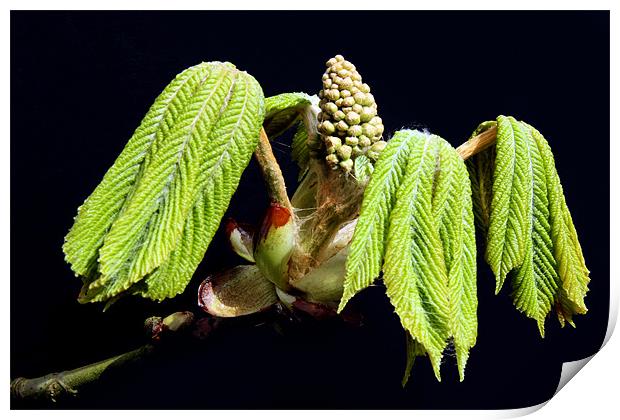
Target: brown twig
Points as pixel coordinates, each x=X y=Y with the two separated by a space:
x=276 y=188
x=478 y=143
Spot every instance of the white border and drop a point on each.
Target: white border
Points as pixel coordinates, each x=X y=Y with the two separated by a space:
x=594 y=394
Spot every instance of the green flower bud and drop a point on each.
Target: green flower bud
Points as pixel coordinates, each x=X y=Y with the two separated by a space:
x=344 y=152
x=352 y=118
x=348 y=121
x=364 y=141
x=379 y=146
x=369 y=130
x=332 y=94
x=368 y=99
x=346 y=83
x=347 y=165
x=352 y=141
x=342 y=126
x=332 y=143
x=327 y=127
x=348 y=101
x=332 y=159
x=354 y=131
x=367 y=114
x=376 y=149
x=330 y=107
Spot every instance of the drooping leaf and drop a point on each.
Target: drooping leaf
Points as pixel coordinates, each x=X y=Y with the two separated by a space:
x=151 y=223
x=368 y=245
x=283 y=111
x=103 y=206
x=452 y=208
x=415 y=271
x=186 y=181
x=510 y=205
x=535 y=281
x=228 y=155
x=572 y=271
x=414 y=349
x=552 y=272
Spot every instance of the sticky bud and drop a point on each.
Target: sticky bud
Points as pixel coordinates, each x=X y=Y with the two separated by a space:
x=275 y=245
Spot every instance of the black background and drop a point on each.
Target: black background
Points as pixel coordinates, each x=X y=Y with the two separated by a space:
x=80 y=84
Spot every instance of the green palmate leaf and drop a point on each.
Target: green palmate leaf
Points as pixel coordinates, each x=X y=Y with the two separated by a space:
x=368 y=244
x=415 y=271
x=184 y=186
x=511 y=203
x=102 y=208
x=452 y=208
x=571 y=268
x=534 y=236
x=417 y=216
x=283 y=111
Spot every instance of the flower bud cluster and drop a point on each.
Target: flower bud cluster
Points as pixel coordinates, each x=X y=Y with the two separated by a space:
x=348 y=120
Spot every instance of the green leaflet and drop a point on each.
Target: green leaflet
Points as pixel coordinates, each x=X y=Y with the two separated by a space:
x=147 y=230
x=287 y=109
x=283 y=111
x=368 y=244
x=227 y=157
x=571 y=269
x=452 y=208
x=414 y=271
x=186 y=181
x=535 y=281
x=510 y=205
x=414 y=349
x=102 y=207
x=299 y=148
x=537 y=226
x=480 y=168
